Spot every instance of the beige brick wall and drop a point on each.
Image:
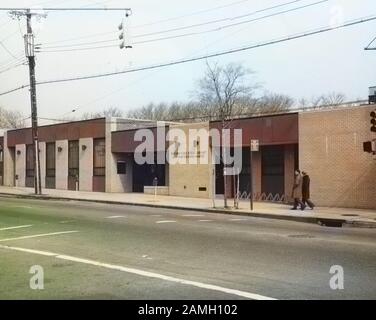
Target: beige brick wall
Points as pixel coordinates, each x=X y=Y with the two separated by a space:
x=186 y=179
x=331 y=151
x=86 y=164
x=62 y=164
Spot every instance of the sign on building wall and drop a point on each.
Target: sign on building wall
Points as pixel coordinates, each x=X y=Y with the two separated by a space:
x=255 y=145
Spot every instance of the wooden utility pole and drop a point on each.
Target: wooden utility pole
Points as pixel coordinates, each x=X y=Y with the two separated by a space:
x=29 y=50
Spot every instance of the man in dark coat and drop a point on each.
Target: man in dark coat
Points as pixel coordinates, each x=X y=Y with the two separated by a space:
x=305 y=190
x=297 y=191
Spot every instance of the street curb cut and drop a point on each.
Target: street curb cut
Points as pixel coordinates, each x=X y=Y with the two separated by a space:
x=330 y=222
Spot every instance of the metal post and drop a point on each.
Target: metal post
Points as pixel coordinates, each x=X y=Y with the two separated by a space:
x=224 y=161
x=251 y=178
x=237 y=190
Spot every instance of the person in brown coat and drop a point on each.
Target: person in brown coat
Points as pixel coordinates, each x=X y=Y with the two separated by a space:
x=305 y=190
x=297 y=191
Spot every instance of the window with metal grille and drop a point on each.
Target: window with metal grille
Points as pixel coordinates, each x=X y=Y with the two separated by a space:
x=30 y=160
x=73 y=158
x=99 y=163
x=50 y=159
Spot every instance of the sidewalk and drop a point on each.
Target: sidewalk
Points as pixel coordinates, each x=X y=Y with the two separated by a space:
x=321 y=215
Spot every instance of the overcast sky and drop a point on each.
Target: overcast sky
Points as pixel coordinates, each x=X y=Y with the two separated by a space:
x=332 y=61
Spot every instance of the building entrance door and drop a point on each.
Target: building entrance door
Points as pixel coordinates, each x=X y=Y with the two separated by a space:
x=273 y=170
x=73 y=165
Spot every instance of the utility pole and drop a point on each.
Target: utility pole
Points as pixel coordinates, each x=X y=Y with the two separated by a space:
x=29 y=50
x=30 y=54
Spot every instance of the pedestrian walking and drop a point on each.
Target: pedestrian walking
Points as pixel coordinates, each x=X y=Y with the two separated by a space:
x=297 y=191
x=306 y=180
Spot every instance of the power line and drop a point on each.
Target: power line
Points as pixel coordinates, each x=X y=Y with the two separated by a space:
x=192 y=26
x=7 y=50
x=68 y=9
x=216 y=54
x=186 y=34
x=169 y=19
x=219 y=20
x=12 y=67
x=11 y=61
x=369 y=45
x=190 y=14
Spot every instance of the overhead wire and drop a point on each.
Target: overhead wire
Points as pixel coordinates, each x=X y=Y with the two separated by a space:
x=185 y=27
x=207 y=56
x=181 y=35
x=147 y=24
x=13 y=67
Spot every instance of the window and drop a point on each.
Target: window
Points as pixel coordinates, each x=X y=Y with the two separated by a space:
x=99 y=162
x=50 y=159
x=73 y=158
x=121 y=167
x=30 y=160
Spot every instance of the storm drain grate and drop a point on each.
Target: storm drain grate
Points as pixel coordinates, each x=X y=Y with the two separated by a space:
x=302 y=236
x=349 y=215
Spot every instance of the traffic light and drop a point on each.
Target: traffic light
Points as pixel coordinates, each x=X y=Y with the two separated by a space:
x=373 y=120
x=124 y=35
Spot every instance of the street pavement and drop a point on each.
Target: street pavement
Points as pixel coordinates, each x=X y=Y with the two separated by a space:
x=264 y=257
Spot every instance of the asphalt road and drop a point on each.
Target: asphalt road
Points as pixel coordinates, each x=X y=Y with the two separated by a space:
x=272 y=258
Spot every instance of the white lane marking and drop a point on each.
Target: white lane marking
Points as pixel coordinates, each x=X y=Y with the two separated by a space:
x=38 y=235
x=16 y=227
x=193 y=215
x=238 y=219
x=24 y=207
x=66 y=221
x=165 y=221
x=205 y=220
x=114 y=217
x=143 y=273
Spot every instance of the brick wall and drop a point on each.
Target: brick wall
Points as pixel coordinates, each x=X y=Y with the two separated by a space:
x=192 y=180
x=331 y=151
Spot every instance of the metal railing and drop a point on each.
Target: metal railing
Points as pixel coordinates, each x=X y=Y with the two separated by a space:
x=263 y=197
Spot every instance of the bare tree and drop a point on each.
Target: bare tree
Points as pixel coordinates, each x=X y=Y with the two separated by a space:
x=334 y=98
x=108 y=112
x=10 y=119
x=219 y=90
x=273 y=103
x=329 y=99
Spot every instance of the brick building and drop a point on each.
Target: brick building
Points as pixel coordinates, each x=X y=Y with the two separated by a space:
x=99 y=155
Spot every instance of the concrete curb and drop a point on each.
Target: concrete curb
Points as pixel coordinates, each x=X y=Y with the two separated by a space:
x=330 y=222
